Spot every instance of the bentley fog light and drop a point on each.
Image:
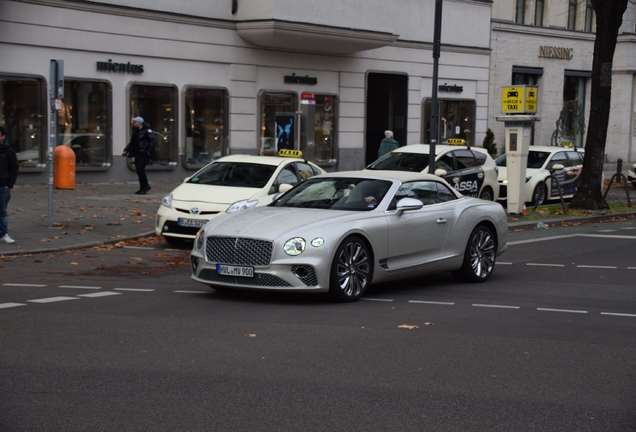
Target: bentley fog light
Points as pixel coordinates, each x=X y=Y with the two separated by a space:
x=294 y=246
x=242 y=205
x=167 y=201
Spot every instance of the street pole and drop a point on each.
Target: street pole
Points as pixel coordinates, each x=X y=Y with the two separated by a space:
x=56 y=92
x=437 y=35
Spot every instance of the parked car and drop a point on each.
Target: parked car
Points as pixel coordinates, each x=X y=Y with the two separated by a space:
x=631 y=175
x=564 y=162
x=471 y=171
x=341 y=232
x=227 y=185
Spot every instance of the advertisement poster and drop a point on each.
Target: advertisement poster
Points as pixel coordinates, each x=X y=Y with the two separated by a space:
x=285 y=131
x=568 y=179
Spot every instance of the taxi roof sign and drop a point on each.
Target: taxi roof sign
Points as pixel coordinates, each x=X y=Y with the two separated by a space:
x=290 y=153
x=520 y=99
x=456 y=141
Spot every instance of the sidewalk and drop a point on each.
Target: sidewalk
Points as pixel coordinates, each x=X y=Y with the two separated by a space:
x=89 y=215
x=94 y=214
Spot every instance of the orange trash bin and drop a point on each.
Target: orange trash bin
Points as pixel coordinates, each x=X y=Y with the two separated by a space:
x=64 y=160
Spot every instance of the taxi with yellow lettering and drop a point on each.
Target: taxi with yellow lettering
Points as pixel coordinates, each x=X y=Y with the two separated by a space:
x=227 y=185
x=471 y=171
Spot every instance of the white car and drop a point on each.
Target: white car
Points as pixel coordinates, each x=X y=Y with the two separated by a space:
x=631 y=175
x=341 y=232
x=470 y=170
x=227 y=185
x=542 y=161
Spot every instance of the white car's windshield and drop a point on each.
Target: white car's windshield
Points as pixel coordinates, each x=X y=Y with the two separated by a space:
x=536 y=159
x=337 y=193
x=235 y=174
x=395 y=161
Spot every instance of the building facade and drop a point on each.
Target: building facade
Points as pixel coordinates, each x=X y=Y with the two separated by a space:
x=550 y=44
x=237 y=76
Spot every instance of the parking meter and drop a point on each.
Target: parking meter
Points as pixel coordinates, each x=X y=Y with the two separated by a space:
x=518 y=130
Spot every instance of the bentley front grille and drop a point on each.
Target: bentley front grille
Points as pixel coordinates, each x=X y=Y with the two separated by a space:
x=238 y=251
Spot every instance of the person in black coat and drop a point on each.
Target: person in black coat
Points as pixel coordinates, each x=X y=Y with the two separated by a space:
x=141 y=147
x=8 y=175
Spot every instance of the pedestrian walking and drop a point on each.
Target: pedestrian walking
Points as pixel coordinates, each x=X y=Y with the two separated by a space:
x=388 y=144
x=141 y=147
x=8 y=176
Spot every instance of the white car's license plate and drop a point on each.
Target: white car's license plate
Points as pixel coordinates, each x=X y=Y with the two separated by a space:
x=195 y=223
x=229 y=270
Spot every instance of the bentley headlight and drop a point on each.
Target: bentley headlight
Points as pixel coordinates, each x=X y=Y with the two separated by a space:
x=200 y=238
x=167 y=201
x=295 y=246
x=317 y=242
x=242 y=205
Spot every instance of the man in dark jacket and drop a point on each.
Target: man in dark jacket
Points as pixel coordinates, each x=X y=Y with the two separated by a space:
x=8 y=175
x=141 y=147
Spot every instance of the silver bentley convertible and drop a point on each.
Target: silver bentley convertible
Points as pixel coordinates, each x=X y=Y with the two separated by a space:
x=341 y=232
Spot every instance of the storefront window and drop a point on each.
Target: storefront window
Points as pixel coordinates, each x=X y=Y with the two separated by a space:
x=23 y=113
x=456 y=120
x=278 y=122
x=325 y=138
x=574 y=106
x=206 y=117
x=157 y=105
x=84 y=124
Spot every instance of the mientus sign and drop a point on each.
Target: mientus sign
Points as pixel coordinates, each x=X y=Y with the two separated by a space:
x=111 y=66
x=307 y=80
x=556 y=52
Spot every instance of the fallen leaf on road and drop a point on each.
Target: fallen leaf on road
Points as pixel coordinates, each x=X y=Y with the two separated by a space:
x=407 y=326
x=74 y=263
x=428 y=323
x=252 y=335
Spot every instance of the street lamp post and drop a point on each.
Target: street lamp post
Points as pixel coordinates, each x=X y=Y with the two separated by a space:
x=437 y=34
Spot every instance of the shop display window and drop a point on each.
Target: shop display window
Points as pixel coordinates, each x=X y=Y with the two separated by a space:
x=205 y=125
x=157 y=105
x=325 y=138
x=23 y=113
x=278 y=128
x=456 y=119
x=84 y=124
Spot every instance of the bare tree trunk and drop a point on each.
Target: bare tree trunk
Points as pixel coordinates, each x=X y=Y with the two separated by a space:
x=609 y=17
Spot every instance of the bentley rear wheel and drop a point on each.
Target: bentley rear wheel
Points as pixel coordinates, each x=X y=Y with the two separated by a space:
x=351 y=270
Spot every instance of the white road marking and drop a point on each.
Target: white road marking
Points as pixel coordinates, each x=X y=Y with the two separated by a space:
x=432 y=302
x=80 y=287
x=10 y=305
x=596 y=267
x=503 y=263
x=607 y=230
x=53 y=299
x=100 y=294
x=570 y=236
x=561 y=310
x=138 y=247
x=618 y=314
x=24 y=285
x=496 y=306
x=376 y=299
x=135 y=289
x=628 y=228
x=545 y=265
x=192 y=292
x=631 y=268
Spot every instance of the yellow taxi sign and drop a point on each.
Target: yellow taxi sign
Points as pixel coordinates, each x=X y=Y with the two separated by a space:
x=290 y=153
x=519 y=99
x=456 y=141
x=566 y=144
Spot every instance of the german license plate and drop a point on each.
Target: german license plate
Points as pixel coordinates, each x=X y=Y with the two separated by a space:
x=193 y=223
x=228 y=270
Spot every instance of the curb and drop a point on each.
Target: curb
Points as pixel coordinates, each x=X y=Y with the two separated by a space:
x=555 y=223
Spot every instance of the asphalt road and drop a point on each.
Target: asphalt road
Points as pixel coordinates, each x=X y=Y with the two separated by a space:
x=111 y=338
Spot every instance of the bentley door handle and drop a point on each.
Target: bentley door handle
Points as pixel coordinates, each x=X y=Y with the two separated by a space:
x=441 y=221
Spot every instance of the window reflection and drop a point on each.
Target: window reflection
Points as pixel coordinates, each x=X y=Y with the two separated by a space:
x=158 y=107
x=456 y=119
x=324 y=138
x=83 y=123
x=205 y=126
x=278 y=129
x=22 y=113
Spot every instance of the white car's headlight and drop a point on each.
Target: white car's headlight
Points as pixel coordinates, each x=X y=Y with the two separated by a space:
x=295 y=246
x=200 y=238
x=242 y=205
x=167 y=201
